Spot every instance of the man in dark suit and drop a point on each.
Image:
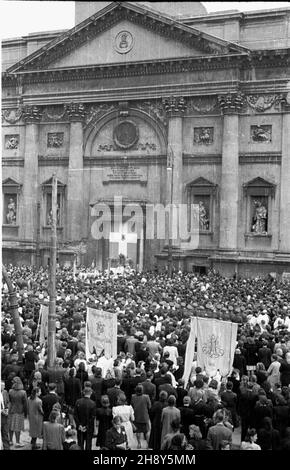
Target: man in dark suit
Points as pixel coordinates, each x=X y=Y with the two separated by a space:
x=229 y=400
x=116 y=437
x=187 y=415
x=162 y=379
x=148 y=387
x=265 y=354
x=218 y=433
x=84 y=415
x=49 y=400
x=114 y=393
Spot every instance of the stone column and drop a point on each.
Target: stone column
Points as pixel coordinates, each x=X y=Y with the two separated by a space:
x=32 y=116
x=229 y=191
x=175 y=108
x=285 y=180
x=75 y=210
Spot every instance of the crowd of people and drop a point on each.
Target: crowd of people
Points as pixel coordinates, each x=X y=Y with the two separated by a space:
x=140 y=397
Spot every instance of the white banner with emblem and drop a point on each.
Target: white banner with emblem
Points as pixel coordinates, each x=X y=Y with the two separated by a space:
x=101 y=333
x=216 y=343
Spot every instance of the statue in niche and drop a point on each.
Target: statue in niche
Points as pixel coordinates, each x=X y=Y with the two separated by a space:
x=260 y=218
x=203 y=218
x=49 y=217
x=11 y=214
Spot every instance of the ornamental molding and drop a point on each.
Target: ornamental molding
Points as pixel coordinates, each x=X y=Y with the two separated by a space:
x=202 y=105
x=32 y=114
x=231 y=103
x=75 y=111
x=154 y=109
x=54 y=113
x=174 y=105
x=11 y=115
x=261 y=102
x=96 y=112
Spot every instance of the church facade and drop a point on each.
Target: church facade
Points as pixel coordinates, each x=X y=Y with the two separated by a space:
x=135 y=109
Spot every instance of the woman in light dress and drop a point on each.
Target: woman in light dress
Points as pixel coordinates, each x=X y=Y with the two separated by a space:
x=126 y=414
x=274 y=371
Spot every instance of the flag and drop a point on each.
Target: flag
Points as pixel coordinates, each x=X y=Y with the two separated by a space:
x=216 y=342
x=43 y=324
x=190 y=349
x=101 y=333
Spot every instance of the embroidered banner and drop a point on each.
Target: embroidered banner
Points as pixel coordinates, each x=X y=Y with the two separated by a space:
x=101 y=333
x=216 y=342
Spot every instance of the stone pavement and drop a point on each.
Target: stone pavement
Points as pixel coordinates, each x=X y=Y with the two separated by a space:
x=25 y=439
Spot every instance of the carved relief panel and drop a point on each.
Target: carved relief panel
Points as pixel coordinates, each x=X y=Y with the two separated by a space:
x=261 y=134
x=12 y=141
x=203 y=135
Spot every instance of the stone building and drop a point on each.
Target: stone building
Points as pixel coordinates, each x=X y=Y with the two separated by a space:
x=142 y=104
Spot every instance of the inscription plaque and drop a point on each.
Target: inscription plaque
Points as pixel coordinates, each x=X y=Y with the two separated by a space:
x=124 y=172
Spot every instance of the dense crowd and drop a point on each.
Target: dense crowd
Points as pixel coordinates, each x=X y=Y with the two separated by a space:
x=140 y=397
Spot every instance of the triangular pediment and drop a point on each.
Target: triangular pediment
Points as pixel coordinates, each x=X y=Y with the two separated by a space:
x=201 y=182
x=259 y=183
x=10 y=182
x=123 y=33
x=49 y=183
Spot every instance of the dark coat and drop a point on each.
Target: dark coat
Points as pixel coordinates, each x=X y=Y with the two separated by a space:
x=84 y=413
x=72 y=390
x=113 y=438
x=285 y=374
x=261 y=411
x=268 y=440
x=156 y=427
x=104 y=417
x=187 y=417
x=47 y=403
x=264 y=356
x=149 y=389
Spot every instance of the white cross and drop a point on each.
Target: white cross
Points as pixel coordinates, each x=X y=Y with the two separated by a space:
x=123 y=239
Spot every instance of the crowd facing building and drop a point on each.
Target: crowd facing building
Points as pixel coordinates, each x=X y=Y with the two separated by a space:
x=139 y=398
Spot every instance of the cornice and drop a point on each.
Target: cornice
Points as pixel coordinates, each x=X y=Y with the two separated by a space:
x=140 y=68
x=131 y=93
x=193 y=159
x=48 y=160
x=12 y=161
x=273 y=158
x=141 y=160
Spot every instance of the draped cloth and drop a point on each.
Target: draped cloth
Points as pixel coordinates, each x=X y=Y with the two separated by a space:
x=101 y=333
x=190 y=349
x=216 y=343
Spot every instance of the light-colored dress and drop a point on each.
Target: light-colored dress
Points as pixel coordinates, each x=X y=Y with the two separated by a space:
x=126 y=414
x=274 y=374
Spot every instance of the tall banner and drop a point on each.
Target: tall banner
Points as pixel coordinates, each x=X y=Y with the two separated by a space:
x=216 y=343
x=190 y=348
x=101 y=333
x=43 y=314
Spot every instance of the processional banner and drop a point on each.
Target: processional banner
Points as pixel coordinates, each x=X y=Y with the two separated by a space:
x=216 y=343
x=101 y=333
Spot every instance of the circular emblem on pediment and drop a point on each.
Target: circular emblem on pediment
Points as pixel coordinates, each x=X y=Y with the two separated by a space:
x=126 y=134
x=123 y=42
